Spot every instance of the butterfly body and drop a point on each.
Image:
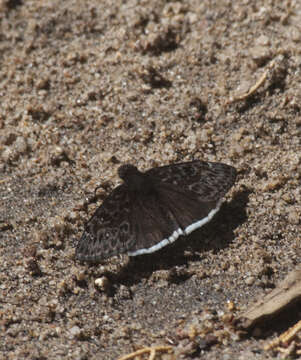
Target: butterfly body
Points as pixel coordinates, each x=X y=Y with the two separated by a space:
x=151 y=210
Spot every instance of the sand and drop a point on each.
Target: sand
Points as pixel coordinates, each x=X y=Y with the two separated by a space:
x=88 y=85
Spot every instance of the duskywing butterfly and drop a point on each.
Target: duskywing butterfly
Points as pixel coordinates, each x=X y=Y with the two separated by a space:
x=152 y=209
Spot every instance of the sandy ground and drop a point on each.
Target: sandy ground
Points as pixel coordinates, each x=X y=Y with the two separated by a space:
x=86 y=86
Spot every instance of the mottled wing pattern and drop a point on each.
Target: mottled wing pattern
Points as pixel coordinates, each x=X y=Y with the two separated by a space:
x=210 y=181
x=109 y=231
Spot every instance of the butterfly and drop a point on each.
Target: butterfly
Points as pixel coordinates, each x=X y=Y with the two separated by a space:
x=151 y=209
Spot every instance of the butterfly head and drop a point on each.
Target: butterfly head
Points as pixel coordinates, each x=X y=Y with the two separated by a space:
x=135 y=180
x=126 y=171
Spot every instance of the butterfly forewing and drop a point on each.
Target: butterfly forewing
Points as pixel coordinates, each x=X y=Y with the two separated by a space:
x=109 y=231
x=209 y=180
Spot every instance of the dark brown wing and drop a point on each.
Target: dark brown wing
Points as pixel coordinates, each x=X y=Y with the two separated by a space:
x=165 y=215
x=209 y=180
x=154 y=222
x=109 y=231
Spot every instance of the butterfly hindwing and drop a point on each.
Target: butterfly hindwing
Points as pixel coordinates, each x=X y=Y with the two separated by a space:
x=188 y=208
x=154 y=222
x=162 y=217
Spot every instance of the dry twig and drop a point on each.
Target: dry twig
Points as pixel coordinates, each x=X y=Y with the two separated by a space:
x=285 y=338
x=151 y=350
